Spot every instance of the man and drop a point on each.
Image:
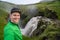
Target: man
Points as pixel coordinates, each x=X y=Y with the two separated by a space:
x=12 y=30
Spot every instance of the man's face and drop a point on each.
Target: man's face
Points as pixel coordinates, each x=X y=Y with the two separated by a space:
x=15 y=17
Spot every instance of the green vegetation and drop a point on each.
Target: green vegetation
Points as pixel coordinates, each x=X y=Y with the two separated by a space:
x=49 y=32
x=3 y=15
x=54 y=6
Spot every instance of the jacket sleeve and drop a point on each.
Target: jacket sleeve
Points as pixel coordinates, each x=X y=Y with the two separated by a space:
x=8 y=34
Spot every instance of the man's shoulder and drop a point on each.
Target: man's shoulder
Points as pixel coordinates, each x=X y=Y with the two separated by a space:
x=8 y=27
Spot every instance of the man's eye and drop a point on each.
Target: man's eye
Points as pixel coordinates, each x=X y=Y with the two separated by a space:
x=14 y=15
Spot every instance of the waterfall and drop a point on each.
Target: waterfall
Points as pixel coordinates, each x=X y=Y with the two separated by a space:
x=30 y=26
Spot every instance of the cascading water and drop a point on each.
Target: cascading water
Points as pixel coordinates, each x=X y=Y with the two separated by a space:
x=30 y=26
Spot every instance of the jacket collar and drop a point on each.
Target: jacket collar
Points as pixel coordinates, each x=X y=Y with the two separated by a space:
x=13 y=23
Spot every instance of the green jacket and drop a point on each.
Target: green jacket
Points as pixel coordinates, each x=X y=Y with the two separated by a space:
x=12 y=32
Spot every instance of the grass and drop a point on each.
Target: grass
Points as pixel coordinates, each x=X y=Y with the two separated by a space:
x=55 y=6
x=3 y=15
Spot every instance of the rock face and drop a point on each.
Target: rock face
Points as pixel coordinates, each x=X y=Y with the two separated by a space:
x=47 y=29
x=42 y=24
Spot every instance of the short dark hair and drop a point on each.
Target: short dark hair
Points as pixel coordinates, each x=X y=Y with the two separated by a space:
x=15 y=10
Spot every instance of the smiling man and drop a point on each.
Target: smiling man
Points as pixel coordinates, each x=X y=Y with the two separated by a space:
x=12 y=30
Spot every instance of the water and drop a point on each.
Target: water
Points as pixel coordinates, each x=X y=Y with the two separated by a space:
x=30 y=26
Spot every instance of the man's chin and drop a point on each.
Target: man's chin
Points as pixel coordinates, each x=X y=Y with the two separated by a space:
x=16 y=22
